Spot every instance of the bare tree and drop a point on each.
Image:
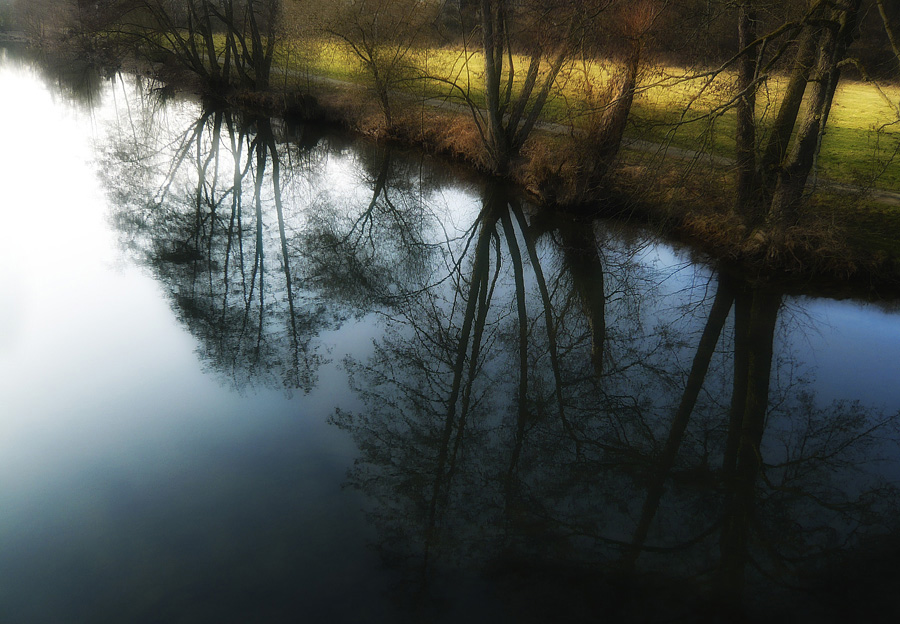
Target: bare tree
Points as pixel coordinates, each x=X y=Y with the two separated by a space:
x=545 y=33
x=42 y=20
x=382 y=34
x=833 y=40
x=509 y=118
x=598 y=138
x=221 y=41
x=772 y=180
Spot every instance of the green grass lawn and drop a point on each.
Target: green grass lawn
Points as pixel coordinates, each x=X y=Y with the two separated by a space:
x=859 y=146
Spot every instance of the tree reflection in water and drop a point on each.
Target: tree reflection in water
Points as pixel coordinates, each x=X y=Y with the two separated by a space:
x=527 y=428
x=79 y=82
x=538 y=418
x=194 y=206
x=204 y=206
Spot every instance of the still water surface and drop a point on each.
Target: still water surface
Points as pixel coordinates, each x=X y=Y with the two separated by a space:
x=259 y=373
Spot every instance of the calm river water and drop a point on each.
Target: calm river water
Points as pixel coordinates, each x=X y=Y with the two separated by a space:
x=256 y=373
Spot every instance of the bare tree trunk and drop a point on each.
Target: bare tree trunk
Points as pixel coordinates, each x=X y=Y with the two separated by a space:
x=212 y=57
x=748 y=64
x=783 y=127
x=520 y=133
x=510 y=120
x=889 y=31
x=604 y=140
x=189 y=32
x=492 y=43
x=838 y=34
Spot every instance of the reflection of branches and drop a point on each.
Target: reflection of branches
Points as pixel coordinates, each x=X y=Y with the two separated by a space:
x=213 y=261
x=491 y=435
x=586 y=269
x=717 y=317
x=375 y=252
x=497 y=485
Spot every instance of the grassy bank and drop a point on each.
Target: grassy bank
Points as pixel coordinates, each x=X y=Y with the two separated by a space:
x=673 y=106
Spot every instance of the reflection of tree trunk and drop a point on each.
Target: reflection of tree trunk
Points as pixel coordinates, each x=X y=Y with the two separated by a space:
x=522 y=412
x=549 y=321
x=584 y=265
x=266 y=134
x=480 y=291
x=213 y=203
x=379 y=190
x=743 y=302
x=718 y=314
x=484 y=294
x=237 y=145
x=760 y=311
x=261 y=164
x=258 y=269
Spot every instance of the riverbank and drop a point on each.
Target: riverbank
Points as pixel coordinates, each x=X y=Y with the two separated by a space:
x=843 y=241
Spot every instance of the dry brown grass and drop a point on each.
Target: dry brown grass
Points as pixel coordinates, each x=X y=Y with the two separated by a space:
x=444 y=132
x=357 y=113
x=548 y=169
x=810 y=249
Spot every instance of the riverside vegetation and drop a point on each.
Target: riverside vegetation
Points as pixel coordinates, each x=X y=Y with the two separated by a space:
x=765 y=133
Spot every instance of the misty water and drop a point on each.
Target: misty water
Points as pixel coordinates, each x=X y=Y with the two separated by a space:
x=257 y=372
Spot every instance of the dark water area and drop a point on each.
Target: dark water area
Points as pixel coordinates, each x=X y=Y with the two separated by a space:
x=251 y=372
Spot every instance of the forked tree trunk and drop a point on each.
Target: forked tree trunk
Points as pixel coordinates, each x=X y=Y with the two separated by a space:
x=510 y=120
x=783 y=127
x=837 y=35
x=771 y=184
